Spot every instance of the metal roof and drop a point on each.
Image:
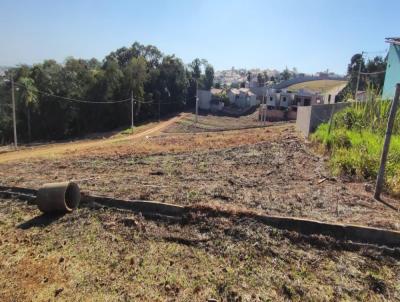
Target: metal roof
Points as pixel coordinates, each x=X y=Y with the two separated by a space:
x=393 y=40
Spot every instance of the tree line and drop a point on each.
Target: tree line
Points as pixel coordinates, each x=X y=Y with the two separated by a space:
x=49 y=95
x=375 y=68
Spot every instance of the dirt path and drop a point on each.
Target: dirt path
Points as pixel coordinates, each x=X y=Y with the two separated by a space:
x=51 y=150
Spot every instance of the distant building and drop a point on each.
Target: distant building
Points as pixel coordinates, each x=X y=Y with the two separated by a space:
x=242 y=97
x=286 y=99
x=306 y=98
x=392 y=76
x=272 y=98
x=208 y=99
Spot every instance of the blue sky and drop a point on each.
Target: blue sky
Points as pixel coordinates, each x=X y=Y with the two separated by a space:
x=311 y=35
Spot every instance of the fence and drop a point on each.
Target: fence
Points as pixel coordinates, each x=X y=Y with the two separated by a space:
x=310 y=117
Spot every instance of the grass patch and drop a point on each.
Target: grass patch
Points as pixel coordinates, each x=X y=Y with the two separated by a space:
x=356 y=152
x=318 y=86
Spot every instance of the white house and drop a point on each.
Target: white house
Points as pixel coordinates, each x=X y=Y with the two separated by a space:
x=242 y=97
x=207 y=100
x=204 y=99
x=306 y=98
x=272 y=98
x=286 y=99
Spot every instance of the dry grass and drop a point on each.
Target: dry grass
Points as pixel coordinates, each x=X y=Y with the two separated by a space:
x=322 y=86
x=105 y=255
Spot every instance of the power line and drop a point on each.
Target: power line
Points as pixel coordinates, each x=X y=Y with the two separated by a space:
x=95 y=102
x=75 y=100
x=375 y=52
x=372 y=73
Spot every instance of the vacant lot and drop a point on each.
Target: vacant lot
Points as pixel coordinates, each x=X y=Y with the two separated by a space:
x=107 y=254
x=210 y=123
x=319 y=86
x=268 y=169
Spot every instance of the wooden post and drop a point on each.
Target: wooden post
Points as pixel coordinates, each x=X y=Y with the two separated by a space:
x=14 y=114
x=159 y=109
x=358 y=76
x=132 y=114
x=331 y=118
x=197 y=101
x=381 y=174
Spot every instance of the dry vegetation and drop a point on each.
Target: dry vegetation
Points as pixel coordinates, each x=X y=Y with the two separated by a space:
x=318 y=86
x=211 y=123
x=107 y=254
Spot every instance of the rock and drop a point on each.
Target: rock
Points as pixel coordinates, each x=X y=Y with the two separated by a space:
x=368 y=187
x=58 y=291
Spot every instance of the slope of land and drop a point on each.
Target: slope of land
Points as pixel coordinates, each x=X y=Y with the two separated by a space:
x=322 y=86
x=211 y=122
x=109 y=255
x=268 y=169
x=105 y=254
x=51 y=150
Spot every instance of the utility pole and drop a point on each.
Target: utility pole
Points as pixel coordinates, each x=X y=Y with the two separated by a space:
x=331 y=118
x=132 y=125
x=385 y=151
x=13 y=109
x=358 y=76
x=159 y=109
x=197 y=101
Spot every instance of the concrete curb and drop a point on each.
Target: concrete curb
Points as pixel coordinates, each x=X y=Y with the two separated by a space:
x=355 y=233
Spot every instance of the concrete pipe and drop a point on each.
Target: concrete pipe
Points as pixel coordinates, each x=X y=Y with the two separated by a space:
x=58 y=197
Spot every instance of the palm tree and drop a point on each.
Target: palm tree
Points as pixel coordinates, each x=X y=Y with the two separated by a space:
x=29 y=95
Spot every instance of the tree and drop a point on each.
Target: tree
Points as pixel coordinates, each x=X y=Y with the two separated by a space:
x=260 y=80
x=358 y=63
x=154 y=78
x=249 y=76
x=29 y=96
x=196 y=68
x=285 y=75
x=209 y=77
x=266 y=78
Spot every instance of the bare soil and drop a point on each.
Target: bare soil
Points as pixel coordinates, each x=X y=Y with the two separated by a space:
x=101 y=254
x=211 y=122
x=269 y=169
x=97 y=254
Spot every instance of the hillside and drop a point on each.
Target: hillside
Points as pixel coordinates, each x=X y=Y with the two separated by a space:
x=320 y=85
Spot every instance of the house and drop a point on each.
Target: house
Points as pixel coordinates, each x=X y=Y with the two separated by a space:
x=392 y=76
x=208 y=99
x=242 y=97
x=286 y=99
x=272 y=98
x=306 y=98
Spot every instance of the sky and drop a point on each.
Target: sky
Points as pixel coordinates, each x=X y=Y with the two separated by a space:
x=311 y=35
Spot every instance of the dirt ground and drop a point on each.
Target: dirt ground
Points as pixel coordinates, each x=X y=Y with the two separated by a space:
x=268 y=169
x=97 y=254
x=111 y=255
x=210 y=122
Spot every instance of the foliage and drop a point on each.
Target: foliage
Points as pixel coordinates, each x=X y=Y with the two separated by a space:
x=370 y=115
x=223 y=97
x=155 y=80
x=376 y=81
x=285 y=75
x=356 y=140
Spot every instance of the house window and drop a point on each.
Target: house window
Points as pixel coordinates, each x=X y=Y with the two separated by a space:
x=284 y=99
x=270 y=98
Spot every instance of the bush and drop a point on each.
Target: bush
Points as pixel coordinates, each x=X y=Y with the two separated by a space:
x=356 y=153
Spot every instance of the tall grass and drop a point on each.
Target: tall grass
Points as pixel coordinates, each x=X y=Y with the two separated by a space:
x=355 y=143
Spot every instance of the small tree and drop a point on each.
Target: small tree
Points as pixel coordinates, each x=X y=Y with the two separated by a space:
x=29 y=95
